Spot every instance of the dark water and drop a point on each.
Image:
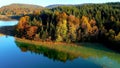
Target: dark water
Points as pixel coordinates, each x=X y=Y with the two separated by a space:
x=19 y=55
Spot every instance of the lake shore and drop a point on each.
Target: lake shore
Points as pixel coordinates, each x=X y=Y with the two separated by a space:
x=7 y=30
x=76 y=49
x=9 y=18
x=5 y=18
x=1 y=34
x=51 y=43
x=80 y=50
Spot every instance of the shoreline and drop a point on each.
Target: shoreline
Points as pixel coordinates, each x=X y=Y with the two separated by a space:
x=59 y=46
x=80 y=45
x=1 y=34
x=74 y=49
x=9 y=18
x=9 y=30
x=77 y=49
x=45 y=42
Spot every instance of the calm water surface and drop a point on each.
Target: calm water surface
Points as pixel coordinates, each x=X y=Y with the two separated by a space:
x=15 y=55
x=8 y=23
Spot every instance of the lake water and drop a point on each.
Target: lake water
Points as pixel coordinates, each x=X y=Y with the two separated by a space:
x=19 y=55
x=8 y=23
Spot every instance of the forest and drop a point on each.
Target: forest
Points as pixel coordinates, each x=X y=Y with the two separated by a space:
x=73 y=24
x=17 y=9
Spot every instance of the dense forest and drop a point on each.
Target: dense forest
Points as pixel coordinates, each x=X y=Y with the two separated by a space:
x=75 y=23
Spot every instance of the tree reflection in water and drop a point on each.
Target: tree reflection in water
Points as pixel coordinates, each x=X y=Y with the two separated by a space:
x=88 y=51
x=56 y=55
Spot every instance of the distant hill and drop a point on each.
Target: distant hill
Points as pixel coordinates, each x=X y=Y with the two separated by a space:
x=55 y=5
x=58 y=5
x=19 y=9
x=115 y=4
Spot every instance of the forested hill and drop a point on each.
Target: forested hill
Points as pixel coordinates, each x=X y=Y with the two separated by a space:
x=88 y=9
x=19 y=9
x=58 y=5
x=87 y=22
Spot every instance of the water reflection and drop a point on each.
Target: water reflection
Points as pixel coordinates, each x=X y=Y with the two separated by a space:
x=50 y=53
x=11 y=56
x=107 y=59
x=88 y=56
x=8 y=23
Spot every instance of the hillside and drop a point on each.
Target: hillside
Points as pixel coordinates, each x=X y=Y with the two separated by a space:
x=19 y=9
x=79 y=23
x=56 y=5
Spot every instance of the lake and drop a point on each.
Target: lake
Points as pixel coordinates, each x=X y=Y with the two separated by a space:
x=14 y=54
x=8 y=23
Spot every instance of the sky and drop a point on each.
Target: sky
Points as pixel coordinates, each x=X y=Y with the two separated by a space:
x=51 y=2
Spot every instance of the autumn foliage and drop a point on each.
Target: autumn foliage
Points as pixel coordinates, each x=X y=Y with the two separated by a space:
x=19 y=9
x=91 y=23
